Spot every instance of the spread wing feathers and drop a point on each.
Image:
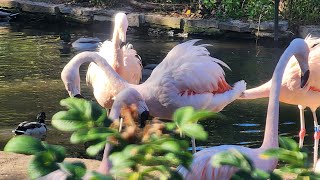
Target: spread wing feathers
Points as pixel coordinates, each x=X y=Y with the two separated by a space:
x=133 y=66
x=184 y=52
x=195 y=83
x=199 y=76
x=131 y=56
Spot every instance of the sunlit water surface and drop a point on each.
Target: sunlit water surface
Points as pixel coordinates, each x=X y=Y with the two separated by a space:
x=31 y=59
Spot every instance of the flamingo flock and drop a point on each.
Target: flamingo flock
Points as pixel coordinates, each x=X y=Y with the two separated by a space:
x=189 y=76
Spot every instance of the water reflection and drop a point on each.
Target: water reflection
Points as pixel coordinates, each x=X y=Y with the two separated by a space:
x=31 y=60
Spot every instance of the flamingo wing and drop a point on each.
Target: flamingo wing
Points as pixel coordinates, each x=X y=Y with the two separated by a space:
x=193 y=78
x=183 y=53
x=132 y=66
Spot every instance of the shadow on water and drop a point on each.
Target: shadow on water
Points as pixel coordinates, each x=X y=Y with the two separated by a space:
x=31 y=60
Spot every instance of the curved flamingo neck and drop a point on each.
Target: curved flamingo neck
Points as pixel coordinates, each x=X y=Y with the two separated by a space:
x=272 y=121
x=113 y=77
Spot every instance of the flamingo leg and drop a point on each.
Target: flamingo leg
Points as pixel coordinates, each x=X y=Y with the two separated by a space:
x=316 y=137
x=302 y=132
x=193 y=143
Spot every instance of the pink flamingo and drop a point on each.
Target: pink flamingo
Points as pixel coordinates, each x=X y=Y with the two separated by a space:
x=187 y=76
x=291 y=92
x=201 y=167
x=123 y=59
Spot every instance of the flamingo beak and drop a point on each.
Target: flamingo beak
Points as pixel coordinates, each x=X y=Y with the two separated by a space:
x=144 y=116
x=305 y=78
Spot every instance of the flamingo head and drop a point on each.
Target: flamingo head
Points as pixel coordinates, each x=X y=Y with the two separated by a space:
x=71 y=80
x=128 y=97
x=302 y=55
x=121 y=26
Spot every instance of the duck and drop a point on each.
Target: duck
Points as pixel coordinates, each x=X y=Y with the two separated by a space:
x=81 y=44
x=37 y=129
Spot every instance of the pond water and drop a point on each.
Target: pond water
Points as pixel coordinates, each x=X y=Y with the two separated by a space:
x=31 y=59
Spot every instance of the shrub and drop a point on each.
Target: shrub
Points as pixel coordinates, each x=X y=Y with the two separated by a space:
x=143 y=152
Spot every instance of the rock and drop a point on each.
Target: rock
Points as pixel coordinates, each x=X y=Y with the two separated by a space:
x=269 y=26
x=134 y=19
x=64 y=9
x=201 y=23
x=201 y=26
x=102 y=18
x=235 y=25
x=167 y=21
x=39 y=7
x=10 y=3
x=285 y=34
x=314 y=30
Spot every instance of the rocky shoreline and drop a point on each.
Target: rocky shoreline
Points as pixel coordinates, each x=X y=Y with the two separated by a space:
x=174 y=25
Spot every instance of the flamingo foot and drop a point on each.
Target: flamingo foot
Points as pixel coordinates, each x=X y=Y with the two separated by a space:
x=302 y=134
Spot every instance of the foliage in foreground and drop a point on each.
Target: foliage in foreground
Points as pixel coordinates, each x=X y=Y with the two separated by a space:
x=134 y=155
x=294 y=160
x=139 y=154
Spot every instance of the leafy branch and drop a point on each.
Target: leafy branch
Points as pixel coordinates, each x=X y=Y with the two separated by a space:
x=151 y=151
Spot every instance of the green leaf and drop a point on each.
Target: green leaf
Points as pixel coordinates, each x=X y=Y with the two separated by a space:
x=288 y=143
x=80 y=105
x=232 y=157
x=242 y=175
x=170 y=126
x=183 y=115
x=24 y=145
x=98 y=176
x=259 y=174
x=81 y=114
x=171 y=146
x=68 y=121
x=76 y=169
x=291 y=157
x=95 y=149
x=42 y=164
x=195 y=130
x=59 y=152
x=85 y=135
x=201 y=115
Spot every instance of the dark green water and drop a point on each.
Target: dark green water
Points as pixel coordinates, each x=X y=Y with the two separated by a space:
x=31 y=60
